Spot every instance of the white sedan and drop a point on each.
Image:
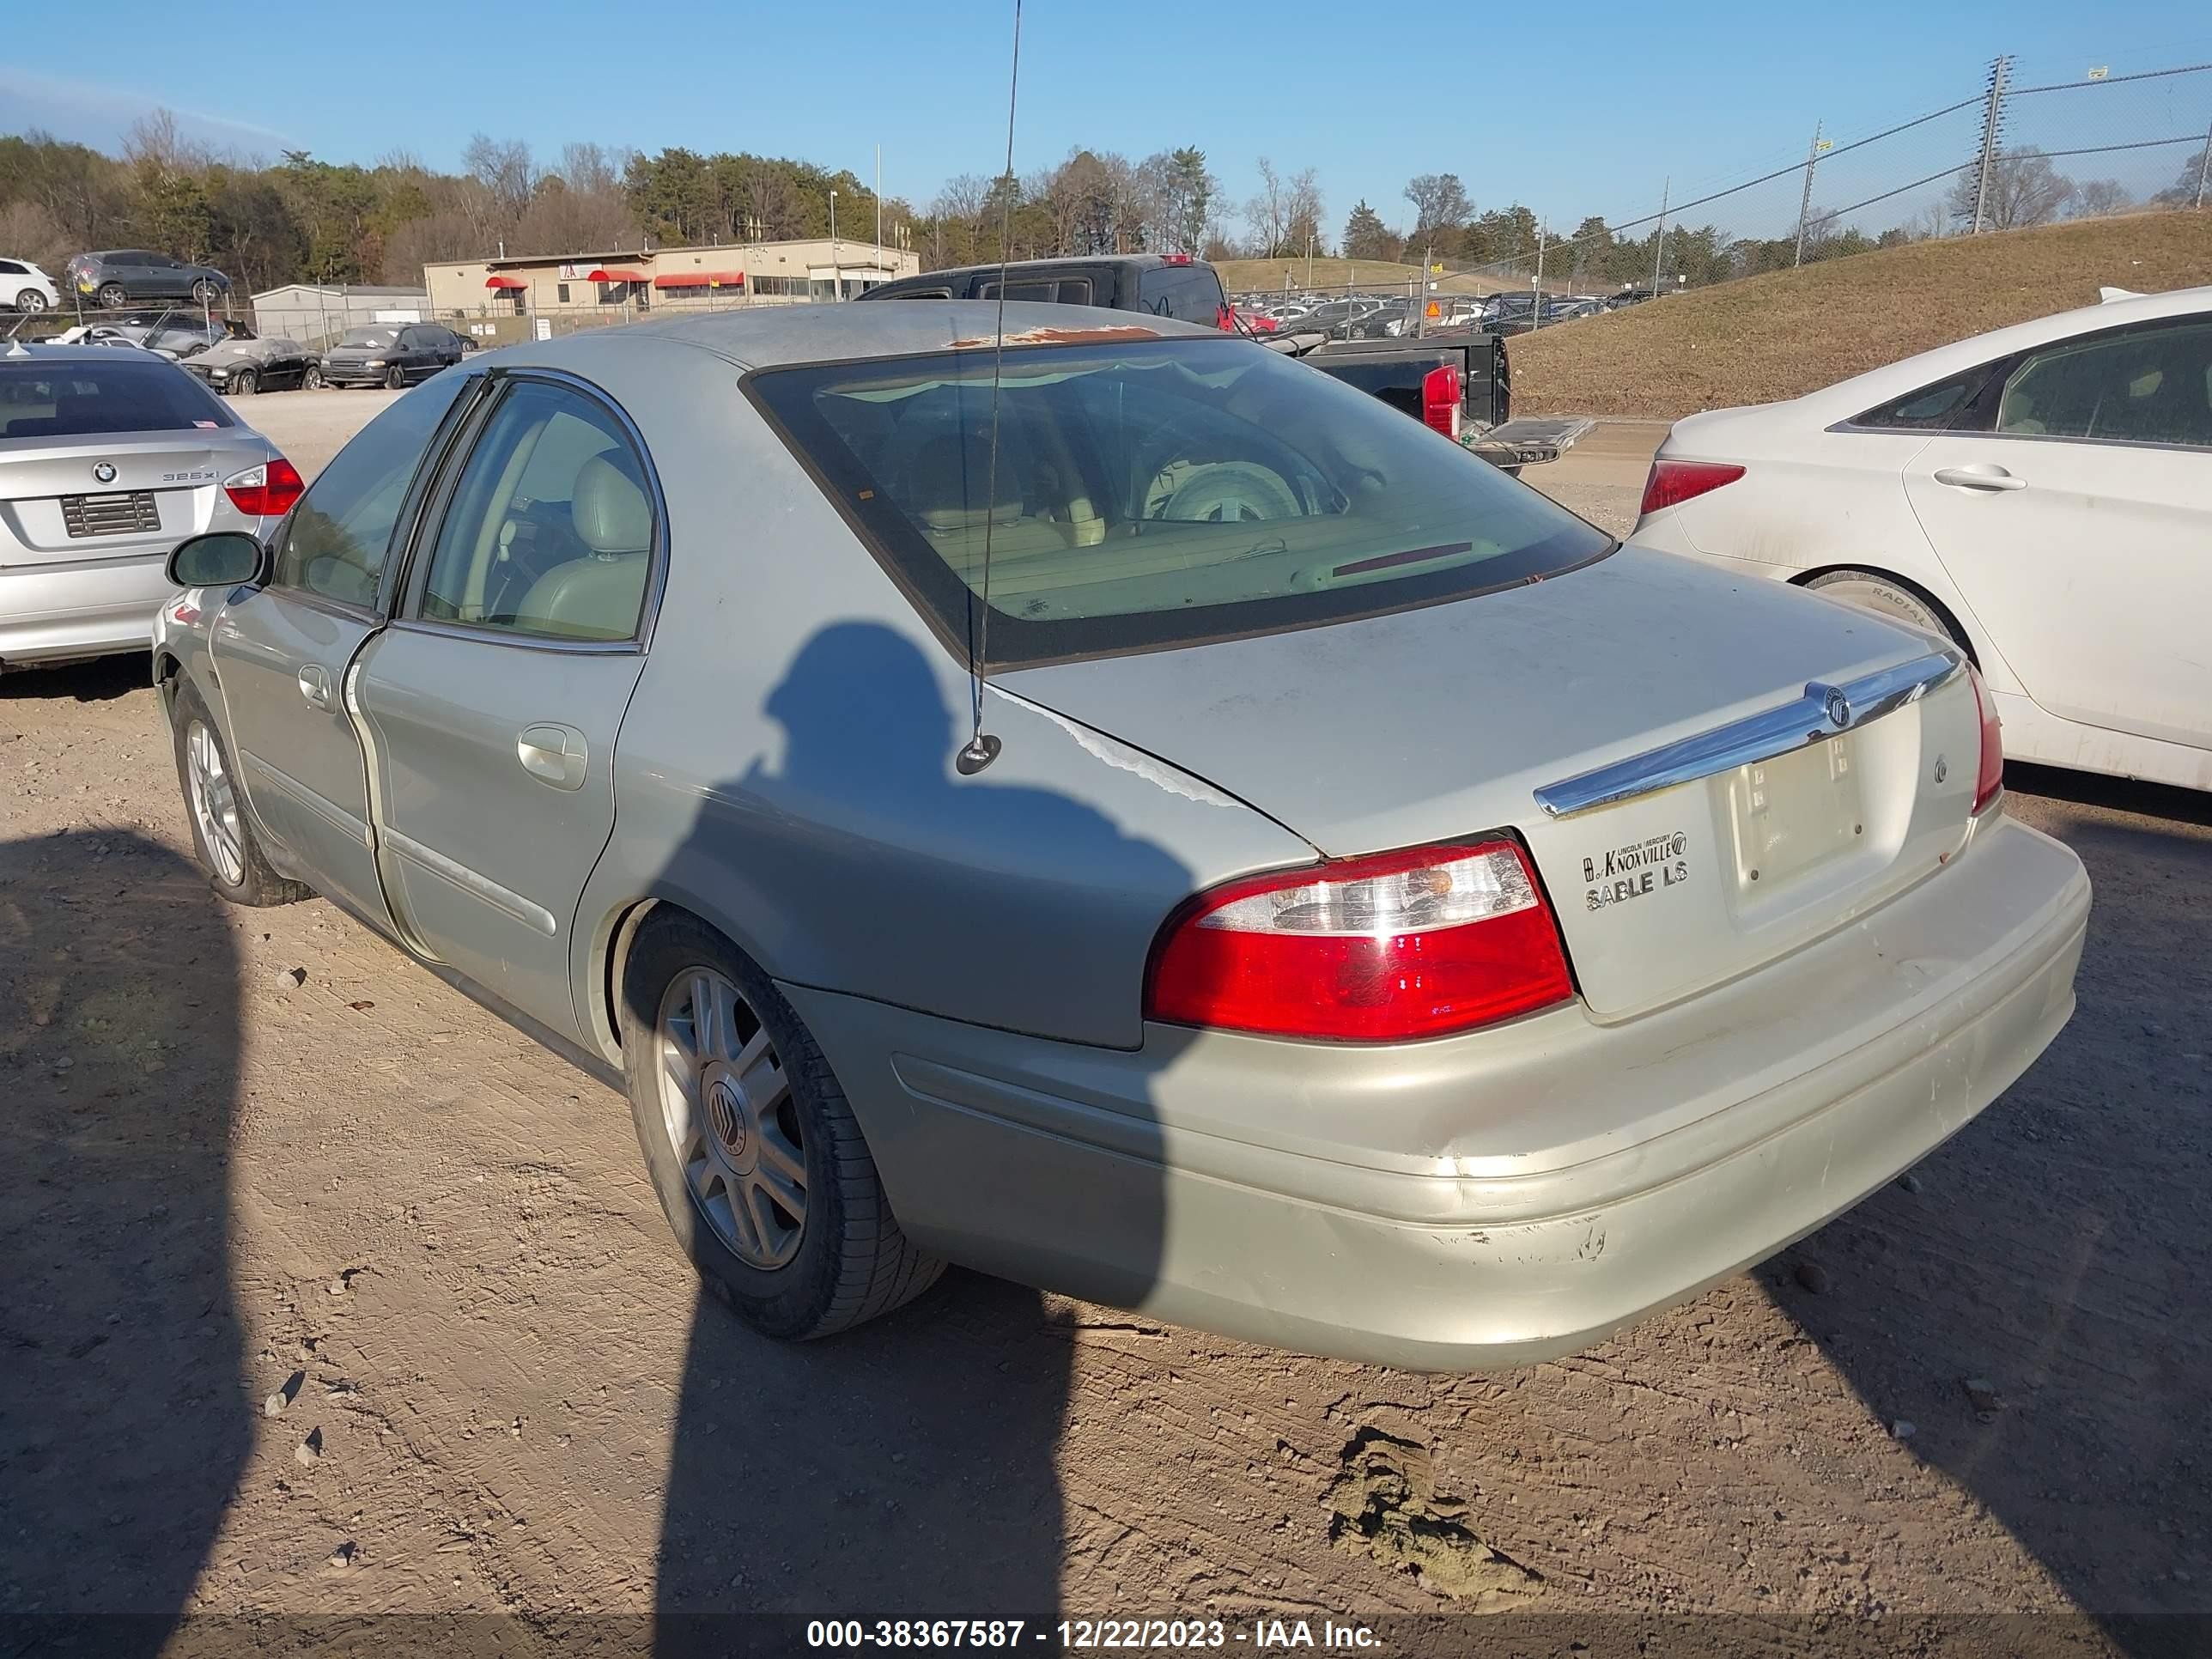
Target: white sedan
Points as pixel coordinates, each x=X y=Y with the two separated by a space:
x=2042 y=496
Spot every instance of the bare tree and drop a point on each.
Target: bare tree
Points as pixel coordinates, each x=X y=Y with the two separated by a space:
x=2024 y=189
x=505 y=171
x=1440 y=205
x=1302 y=215
x=2100 y=197
x=1268 y=211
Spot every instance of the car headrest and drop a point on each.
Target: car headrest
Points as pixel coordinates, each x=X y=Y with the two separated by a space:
x=609 y=508
x=947 y=480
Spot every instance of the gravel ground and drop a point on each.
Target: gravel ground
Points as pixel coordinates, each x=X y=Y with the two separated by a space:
x=326 y=1293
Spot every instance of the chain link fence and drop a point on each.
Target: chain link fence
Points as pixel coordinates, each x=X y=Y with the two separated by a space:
x=2024 y=148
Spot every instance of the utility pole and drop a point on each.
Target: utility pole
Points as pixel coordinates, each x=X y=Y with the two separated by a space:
x=2204 y=166
x=1536 y=285
x=836 y=275
x=1659 y=249
x=876 y=276
x=1805 y=201
x=1992 y=120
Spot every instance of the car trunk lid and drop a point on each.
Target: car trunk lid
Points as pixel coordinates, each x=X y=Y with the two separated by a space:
x=1445 y=721
x=56 y=508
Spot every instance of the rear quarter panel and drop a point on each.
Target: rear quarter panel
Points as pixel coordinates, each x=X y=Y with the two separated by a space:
x=784 y=767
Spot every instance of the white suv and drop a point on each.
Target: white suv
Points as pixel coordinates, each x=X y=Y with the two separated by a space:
x=24 y=287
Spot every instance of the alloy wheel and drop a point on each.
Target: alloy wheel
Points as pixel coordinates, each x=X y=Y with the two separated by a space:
x=214 y=803
x=729 y=1113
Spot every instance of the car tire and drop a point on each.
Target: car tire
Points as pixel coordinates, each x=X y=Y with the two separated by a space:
x=245 y=383
x=311 y=378
x=395 y=378
x=222 y=833
x=204 y=292
x=30 y=302
x=113 y=297
x=841 y=1259
x=1889 y=597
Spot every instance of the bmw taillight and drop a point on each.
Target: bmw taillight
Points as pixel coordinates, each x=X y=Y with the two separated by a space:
x=1384 y=949
x=266 y=492
x=1441 y=399
x=1672 y=482
x=1989 y=780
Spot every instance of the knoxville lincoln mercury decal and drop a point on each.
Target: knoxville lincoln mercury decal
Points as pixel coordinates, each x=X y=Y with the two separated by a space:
x=1631 y=872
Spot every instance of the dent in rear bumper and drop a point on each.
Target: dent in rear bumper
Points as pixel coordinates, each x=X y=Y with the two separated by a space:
x=1533 y=1231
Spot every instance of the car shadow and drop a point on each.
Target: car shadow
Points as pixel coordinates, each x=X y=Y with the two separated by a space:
x=102 y=679
x=2025 y=1307
x=124 y=1422
x=936 y=1492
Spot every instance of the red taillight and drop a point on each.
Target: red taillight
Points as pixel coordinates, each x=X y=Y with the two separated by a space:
x=1371 y=949
x=1989 y=780
x=1672 y=482
x=1175 y=259
x=264 y=492
x=1441 y=399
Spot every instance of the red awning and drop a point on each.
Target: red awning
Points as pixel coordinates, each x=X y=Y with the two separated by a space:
x=701 y=279
x=504 y=281
x=616 y=277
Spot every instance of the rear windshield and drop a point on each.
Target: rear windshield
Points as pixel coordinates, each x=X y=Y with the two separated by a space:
x=1156 y=494
x=368 y=337
x=132 y=393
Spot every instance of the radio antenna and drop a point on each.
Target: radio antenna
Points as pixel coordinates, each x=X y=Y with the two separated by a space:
x=982 y=748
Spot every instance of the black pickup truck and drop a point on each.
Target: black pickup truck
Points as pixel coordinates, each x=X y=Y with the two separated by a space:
x=1428 y=376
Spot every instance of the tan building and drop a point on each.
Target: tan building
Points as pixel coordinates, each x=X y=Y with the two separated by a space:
x=614 y=286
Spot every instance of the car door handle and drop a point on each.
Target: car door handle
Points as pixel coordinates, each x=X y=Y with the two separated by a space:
x=1978 y=477
x=315 y=685
x=553 y=754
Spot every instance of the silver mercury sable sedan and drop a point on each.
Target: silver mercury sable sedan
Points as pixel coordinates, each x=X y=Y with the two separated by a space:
x=1360 y=907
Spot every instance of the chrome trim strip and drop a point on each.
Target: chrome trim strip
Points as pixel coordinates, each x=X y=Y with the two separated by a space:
x=483 y=887
x=1823 y=712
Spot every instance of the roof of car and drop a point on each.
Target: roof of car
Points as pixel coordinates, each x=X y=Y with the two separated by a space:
x=760 y=336
x=23 y=351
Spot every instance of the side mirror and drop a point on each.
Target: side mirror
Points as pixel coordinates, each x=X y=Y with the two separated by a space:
x=223 y=558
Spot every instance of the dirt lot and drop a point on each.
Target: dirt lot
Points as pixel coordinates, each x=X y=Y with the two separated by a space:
x=324 y=1292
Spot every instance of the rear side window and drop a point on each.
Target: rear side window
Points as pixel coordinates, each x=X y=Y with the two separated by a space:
x=1062 y=290
x=131 y=393
x=2150 y=385
x=549 y=531
x=1189 y=294
x=1156 y=494
x=1963 y=402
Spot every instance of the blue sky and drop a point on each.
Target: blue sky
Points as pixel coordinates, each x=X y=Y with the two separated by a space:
x=1587 y=110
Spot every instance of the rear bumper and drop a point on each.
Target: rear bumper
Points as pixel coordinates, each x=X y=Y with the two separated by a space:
x=1480 y=1201
x=54 y=614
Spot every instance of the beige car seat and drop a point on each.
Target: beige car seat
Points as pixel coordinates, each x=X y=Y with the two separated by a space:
x=597 y=596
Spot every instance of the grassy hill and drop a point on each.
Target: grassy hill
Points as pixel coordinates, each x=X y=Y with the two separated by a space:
x=1238 y=274
x=1793 y=331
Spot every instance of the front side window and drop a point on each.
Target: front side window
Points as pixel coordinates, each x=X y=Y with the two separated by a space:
x=125 y=393
x=1156 y=493
x=549 y=530
x=338 y=536
x=2150 y=385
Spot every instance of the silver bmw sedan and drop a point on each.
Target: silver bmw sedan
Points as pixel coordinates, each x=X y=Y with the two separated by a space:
x=108 y=458
x=1106 y=805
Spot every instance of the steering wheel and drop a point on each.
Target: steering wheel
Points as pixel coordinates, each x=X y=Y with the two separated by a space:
x=1219 y=492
